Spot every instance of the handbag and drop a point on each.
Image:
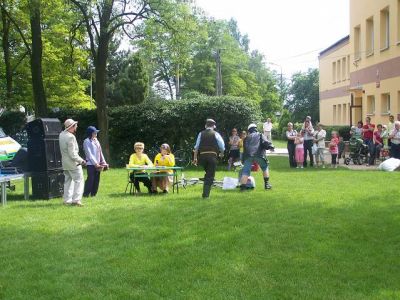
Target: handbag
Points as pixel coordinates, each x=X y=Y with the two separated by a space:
x=314 y=149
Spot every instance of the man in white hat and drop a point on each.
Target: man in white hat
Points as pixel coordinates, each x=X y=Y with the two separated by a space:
x=72 y=164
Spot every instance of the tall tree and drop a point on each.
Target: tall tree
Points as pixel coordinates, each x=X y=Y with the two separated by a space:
x=36 y=29
x=35 y=51
x=303 y=97
x=103 y=19
x=133 y=82
x=39 y=94
x=169 y=48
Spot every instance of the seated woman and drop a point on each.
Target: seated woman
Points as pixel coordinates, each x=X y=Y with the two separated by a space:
x=163 y=159
x=140 y=159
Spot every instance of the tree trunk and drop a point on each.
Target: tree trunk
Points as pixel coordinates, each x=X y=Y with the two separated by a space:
x=102 y=117
x=171 y=91
x=39 y=95
x=7 y=57
x=178 y=84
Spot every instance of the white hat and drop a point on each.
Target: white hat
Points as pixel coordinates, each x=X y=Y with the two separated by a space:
x=252 y=125
x=69 y=123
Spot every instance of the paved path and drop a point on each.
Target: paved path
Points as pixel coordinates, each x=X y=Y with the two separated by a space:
x=284 y=152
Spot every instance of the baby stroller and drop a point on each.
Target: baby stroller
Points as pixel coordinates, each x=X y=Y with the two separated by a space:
x=358 y=152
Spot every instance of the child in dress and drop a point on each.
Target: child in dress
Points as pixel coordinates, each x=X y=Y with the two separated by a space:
x=333 y=148
x=243 y=135
x=234 y=153
x=299 y=151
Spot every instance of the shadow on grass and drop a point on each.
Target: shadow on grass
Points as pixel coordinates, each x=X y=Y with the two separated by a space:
x=283 y=248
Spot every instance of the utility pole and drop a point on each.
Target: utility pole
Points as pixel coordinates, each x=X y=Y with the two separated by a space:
x=218 y=79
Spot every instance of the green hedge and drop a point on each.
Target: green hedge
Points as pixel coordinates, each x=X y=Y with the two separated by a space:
x=174 y=122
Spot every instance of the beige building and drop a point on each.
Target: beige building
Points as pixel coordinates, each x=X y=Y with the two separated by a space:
x=360 y=74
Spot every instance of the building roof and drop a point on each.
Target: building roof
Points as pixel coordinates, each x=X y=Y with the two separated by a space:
x=338 y=43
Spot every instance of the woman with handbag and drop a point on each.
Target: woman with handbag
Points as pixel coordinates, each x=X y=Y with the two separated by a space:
x=95 y=162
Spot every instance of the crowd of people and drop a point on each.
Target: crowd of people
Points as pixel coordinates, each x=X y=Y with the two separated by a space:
x=309 y=143
x=248 y=147
x=306 y=147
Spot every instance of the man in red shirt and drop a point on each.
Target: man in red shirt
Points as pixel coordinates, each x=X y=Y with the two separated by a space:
x=368 y=137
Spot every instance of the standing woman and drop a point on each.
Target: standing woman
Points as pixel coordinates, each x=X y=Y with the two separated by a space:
x=95 y=161
x=291 y=135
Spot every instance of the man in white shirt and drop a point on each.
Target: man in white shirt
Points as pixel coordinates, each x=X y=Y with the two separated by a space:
x=72 y=164
x=267 y=128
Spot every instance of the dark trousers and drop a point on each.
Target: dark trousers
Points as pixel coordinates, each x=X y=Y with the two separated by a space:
x=308 y=148
x=378 y=148
x=145 y=180
x=334 y=157
x=92 y=182
x=292 y=158
x=209 y=163
x=395 y=151
x=371 y=151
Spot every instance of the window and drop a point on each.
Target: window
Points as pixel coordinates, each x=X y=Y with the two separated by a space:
x=385 y=41
x=398 y=21
x=338 y=71
x=344 y=65
x=385 y=103
x=371 y=105
x=348 y=66
x=334 y=115
x=357 y=43
x=344 y=119
x=398 y=102
x=334 y=72
x=370 y=37
x=339 y=113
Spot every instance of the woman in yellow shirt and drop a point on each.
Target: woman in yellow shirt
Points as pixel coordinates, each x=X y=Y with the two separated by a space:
x=163 y=159
x=140 y=159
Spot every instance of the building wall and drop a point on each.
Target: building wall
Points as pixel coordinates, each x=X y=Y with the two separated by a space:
x=334 y=82
x=374 y=51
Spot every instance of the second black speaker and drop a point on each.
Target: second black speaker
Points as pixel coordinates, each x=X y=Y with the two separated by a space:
x=44 y=155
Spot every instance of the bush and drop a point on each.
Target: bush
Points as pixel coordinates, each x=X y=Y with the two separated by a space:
x=174 y=122
x=12 y=122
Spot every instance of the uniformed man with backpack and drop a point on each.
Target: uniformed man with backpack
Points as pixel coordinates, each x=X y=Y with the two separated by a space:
x=255 y=146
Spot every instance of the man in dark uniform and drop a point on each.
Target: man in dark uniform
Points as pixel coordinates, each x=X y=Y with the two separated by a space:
x=208 y=144
x=255 y=145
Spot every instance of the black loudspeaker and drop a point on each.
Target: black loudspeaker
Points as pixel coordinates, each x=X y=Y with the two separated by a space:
x=44 y=155
x=43 y=128
x=47 y=185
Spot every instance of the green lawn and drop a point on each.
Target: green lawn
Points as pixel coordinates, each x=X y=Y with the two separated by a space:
x=318 y=234
x=279 y=143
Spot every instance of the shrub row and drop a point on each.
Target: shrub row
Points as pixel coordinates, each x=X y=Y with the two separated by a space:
x=174 y=122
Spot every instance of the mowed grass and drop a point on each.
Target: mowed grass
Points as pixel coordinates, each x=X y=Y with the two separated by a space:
x=318 y=234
